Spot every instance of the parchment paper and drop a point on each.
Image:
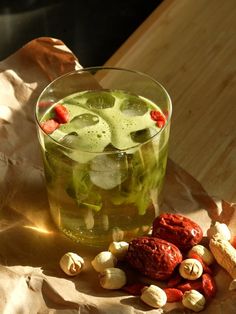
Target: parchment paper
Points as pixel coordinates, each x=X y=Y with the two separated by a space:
x=30 y=246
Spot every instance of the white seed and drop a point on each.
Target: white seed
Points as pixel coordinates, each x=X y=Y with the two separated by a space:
x=112 y=278
x=89 y=219
x=117 y=234
x=203 y=252
x=154 y=296
x=191 y=269
x=119 y=249
x=104 y=260
x=71 y=263
x=194 y=300
x=146 y=229
x=105 y=222
x=220 y=228
x=232 y=285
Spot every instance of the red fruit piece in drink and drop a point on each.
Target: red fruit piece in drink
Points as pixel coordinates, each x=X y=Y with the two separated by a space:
x=49 y=126
x=61 y=114
x=45 y=104
x=158 y=117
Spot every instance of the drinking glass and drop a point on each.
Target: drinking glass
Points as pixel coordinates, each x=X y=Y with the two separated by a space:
x=102 y=193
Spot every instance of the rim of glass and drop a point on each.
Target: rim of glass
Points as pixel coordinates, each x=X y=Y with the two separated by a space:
x=101 y=68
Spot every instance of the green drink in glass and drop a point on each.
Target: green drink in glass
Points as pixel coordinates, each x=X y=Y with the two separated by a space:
x=104 y=136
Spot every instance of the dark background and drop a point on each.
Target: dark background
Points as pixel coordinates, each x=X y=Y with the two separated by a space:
x=92 y=29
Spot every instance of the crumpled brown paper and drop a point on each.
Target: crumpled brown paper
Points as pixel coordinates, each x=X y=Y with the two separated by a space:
x=30 y=246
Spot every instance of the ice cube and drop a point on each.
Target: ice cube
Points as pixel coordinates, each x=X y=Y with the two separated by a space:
x=133 y=106
x=87 y=140
x=83 y=120
x=70 y=140
x=141 y=136
x=107 y=172
x=100 y=100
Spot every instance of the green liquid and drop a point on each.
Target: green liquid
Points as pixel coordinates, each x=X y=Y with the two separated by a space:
x=105 y=177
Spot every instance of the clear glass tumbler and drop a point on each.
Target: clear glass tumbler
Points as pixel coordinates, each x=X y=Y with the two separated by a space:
x=104 y=150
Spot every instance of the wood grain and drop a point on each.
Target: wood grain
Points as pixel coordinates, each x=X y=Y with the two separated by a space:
x=190 y=47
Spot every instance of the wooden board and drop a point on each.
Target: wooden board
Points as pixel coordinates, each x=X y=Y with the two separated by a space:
x=190 y=47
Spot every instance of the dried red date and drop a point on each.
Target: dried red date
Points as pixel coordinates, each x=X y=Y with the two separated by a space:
x=174 y=281
x=208 y=285
x=173 y=294
x=206 y=268
x=134 y=289
x=190 y=285
x=177 y=229
x=153 y=257
x=233 y=241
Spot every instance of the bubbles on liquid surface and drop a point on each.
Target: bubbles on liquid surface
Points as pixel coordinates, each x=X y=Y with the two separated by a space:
x=101 y=119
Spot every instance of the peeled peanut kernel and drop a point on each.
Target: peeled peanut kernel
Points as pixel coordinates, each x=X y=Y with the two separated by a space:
x=220 y=228
x=112 y=278
x=203 y=252
x=224 y=253
x=119 y=249
x=191 y=269
x=71 y=263
x=194 y=300
x=154 y=296
x=104 y=260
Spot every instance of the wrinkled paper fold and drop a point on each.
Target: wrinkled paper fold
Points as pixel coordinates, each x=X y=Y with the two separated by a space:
x=30 y=246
